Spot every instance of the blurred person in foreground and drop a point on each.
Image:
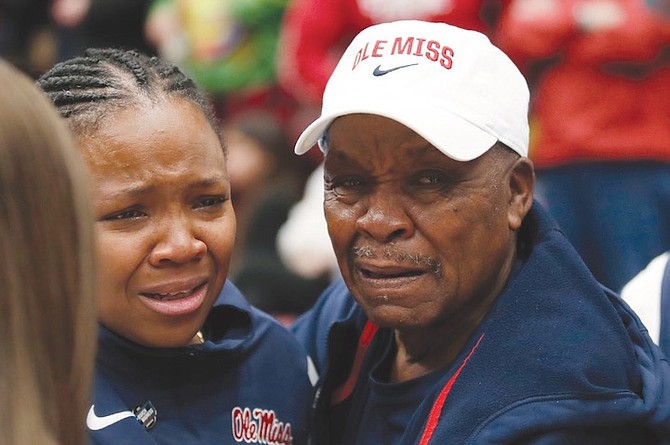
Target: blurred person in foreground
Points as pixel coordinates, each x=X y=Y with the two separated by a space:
x=47 y=290
x=601 y=123
x=464 y=315
x=182 y=356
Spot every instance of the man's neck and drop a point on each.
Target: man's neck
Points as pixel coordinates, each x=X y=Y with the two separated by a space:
x=423 y=351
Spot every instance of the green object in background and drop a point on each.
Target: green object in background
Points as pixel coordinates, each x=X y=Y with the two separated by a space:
x=230 y=44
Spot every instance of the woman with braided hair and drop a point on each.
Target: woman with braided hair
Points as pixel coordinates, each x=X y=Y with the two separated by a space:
x=182 y=356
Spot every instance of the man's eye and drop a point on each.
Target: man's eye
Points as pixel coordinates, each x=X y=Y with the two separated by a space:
x=430 y=178
x=351 y=183
x=344 y=184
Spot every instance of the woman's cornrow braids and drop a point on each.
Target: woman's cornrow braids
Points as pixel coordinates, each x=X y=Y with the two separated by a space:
x=85 y=88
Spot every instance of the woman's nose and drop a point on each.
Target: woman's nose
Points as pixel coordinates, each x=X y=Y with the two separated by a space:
x=177 y=244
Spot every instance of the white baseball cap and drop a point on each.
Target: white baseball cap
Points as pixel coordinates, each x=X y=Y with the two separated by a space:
x=451 y=86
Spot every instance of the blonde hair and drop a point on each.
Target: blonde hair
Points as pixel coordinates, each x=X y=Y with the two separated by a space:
x=47 y=312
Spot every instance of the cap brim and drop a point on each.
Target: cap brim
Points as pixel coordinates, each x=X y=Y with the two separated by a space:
x=449 y=133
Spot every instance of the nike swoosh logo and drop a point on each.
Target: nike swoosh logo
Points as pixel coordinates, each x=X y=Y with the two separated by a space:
x=96 y=423
x=380 y=72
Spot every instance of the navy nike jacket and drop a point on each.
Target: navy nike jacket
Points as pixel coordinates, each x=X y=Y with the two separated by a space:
x=558 y=360
x=247 y=384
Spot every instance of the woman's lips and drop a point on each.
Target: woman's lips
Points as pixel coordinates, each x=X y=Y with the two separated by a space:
x=168 y=296
x=176 y=302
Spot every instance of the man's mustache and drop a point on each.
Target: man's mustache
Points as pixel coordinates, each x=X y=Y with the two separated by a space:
x=391 y=252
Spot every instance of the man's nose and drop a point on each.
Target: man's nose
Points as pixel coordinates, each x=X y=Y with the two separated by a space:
x=385 y=218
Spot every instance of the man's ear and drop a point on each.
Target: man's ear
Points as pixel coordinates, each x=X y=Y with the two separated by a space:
x=522 y=189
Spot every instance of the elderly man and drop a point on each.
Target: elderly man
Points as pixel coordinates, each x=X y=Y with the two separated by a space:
x=465 y=317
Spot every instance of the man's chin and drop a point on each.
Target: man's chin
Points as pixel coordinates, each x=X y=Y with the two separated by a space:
x=391 y=316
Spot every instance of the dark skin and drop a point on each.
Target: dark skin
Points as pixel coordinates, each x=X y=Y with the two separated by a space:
x=425 y=243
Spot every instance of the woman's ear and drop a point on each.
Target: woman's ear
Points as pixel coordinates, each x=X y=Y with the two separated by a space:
x=522 y=188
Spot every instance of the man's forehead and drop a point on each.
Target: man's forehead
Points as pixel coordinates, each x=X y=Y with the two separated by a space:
x=398 y=156
x=371 y=130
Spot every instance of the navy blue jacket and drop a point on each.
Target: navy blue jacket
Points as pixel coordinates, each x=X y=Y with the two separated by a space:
x=248 y=383
x=558 y=360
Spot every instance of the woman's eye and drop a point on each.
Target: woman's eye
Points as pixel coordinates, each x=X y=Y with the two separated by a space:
x=126 y=214
x=210 y=201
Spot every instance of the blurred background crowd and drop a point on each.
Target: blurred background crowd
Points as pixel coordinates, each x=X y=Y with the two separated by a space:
x=599 y=72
